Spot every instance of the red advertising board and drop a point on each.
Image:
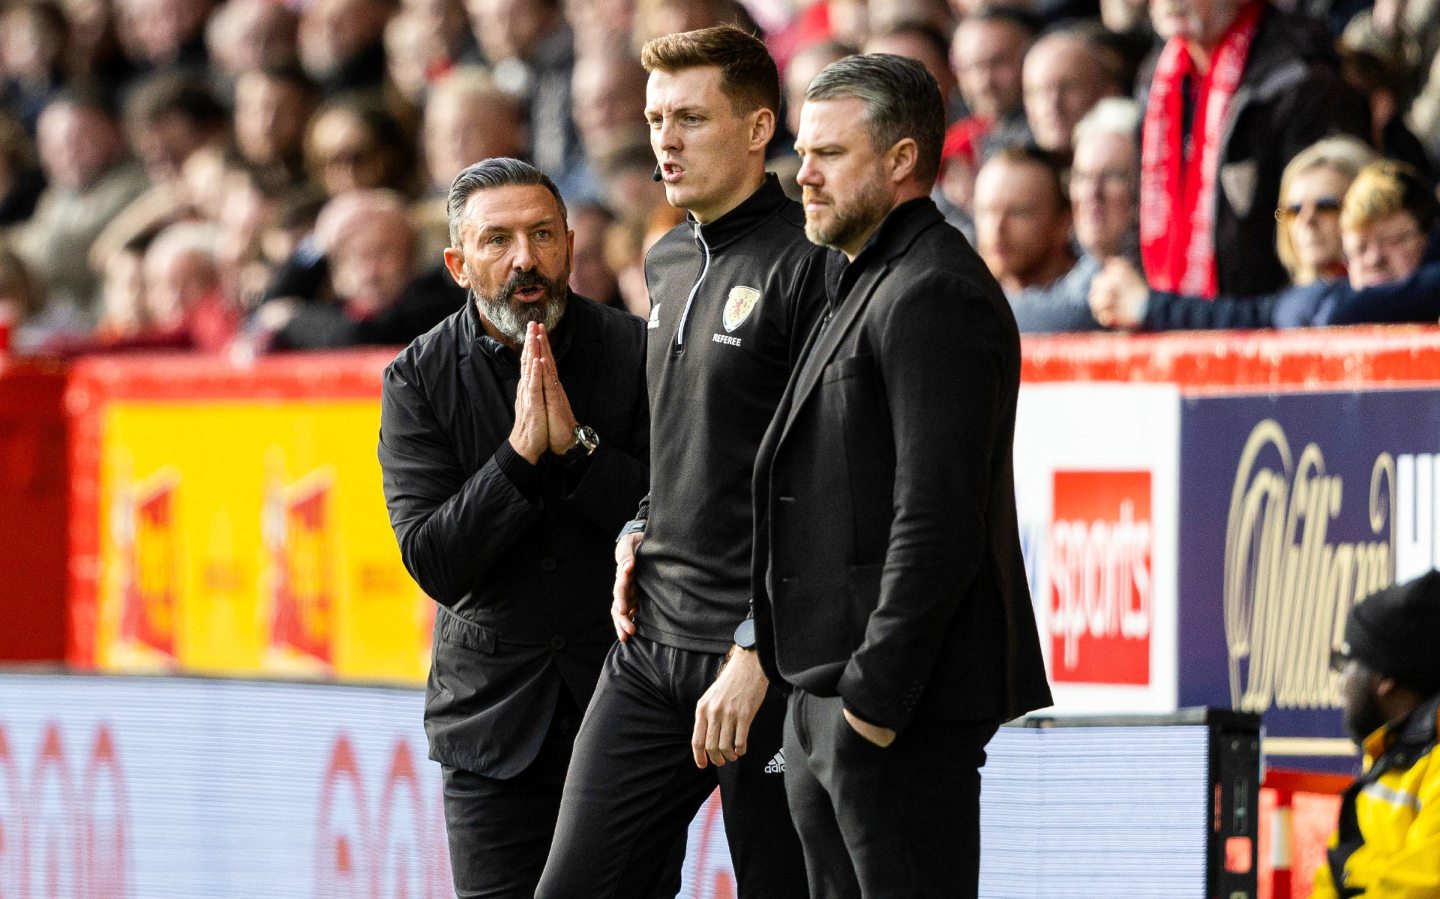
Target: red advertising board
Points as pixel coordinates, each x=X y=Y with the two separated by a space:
x=34 y=485
x=1100 y=546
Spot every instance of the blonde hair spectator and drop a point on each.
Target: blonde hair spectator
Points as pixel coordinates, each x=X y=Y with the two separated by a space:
x=1341 y=156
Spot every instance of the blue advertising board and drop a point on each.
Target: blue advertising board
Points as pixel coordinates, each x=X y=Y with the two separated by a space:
x=1293 y=507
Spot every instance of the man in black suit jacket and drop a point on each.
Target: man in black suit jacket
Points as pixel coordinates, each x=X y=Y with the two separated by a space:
x=890 y=594
x=513 y=440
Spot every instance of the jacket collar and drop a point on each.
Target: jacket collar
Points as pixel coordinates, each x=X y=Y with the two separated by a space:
x=895 y=233
x=1408 y=738
x=762 y=205
x=849 y=287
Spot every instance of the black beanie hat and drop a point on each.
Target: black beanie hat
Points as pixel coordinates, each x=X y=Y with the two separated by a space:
x=1396 y=632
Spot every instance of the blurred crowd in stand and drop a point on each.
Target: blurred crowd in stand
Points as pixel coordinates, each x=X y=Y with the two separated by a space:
x=242 y=176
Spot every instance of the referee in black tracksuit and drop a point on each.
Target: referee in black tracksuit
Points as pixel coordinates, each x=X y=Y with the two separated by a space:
x=734 y=292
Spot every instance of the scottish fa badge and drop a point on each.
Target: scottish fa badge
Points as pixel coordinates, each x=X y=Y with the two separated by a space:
x=738 y=306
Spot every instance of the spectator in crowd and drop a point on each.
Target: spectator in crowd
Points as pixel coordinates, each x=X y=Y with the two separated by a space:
x=805 y=65
x=181 y=305
x=183 y=300
x=1125 y=16
x=1104 y=180
x=988 y=54
x=33 y=34
x=628 y=174
x=656 y=18
x=607 y=90
x=1022 y=220
x=251 y=34
x=1386 y=220
x=884 y=16
x=93 y=50
x=123 y=313
x=369 y=252
x=600 y=26
x=91 y=178
x=168 y=117
x=531 y=51
x=1424 y=115
x=1066 y=73
x=1312 y=186
x=1388 y=839
x=273 y=105
x=923 y=43
x=21 y=180
x=161 y=35
x=247 y=208
x=626 y=243
x=590 y=275
x=1386 y=85
x=445 y=34
x=1405 y=31
x=342 y=44
x=355 y=143
x=22 y=304
x=959 y=164
x=1211 y=160
x=410 y=55
x=178 y=129
x=467 y=118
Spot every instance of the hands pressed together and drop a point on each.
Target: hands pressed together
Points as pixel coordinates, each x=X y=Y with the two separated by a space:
x=543 y=420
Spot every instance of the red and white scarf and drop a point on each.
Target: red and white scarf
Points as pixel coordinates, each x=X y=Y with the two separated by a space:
x=1178 y=190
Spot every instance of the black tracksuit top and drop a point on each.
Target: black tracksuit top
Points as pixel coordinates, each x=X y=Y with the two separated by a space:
x=732 y=302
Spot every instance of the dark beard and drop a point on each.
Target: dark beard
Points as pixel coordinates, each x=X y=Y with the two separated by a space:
x=856 y=218
x=511 y=318
x=1363 y=717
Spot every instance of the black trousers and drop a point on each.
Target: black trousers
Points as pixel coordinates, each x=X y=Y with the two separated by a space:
x=633 y=787
x=499 y=830
x=903 y=821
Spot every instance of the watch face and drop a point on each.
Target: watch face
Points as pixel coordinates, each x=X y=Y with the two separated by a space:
x=587 y=438
x=745 y=634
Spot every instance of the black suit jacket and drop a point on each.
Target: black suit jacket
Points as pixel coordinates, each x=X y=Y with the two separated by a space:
x=519 y=557
x=887 y=555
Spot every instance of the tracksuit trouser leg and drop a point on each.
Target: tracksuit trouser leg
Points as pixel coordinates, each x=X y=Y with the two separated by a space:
x=633 y=787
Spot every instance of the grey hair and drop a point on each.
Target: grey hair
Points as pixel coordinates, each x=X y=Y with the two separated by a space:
x=901 y=100
x=499 y=171
x=1112 y=115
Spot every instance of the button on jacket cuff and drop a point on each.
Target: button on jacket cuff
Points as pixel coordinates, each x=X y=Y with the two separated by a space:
x=517 y=468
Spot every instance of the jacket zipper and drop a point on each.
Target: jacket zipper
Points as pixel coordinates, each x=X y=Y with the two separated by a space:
x=704 y=270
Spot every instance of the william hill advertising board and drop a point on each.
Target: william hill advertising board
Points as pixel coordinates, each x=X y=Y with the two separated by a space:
x=1293 y=507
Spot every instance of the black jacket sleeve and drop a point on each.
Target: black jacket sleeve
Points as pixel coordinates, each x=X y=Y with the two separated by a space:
x=1178 y=312
x=1415 y=299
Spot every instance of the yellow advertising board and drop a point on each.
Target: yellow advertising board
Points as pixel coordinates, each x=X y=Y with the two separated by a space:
x=249 y=537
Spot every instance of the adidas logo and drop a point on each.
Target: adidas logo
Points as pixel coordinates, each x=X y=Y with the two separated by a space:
x=777 y=764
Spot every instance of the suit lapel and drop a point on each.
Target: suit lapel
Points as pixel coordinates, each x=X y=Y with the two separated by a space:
x=894 y=241
x=829 y=339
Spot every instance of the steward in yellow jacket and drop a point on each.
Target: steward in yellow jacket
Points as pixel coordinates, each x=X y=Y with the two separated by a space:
x=1387 y=845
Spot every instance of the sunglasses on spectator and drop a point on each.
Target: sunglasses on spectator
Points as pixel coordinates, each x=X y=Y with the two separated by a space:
x=1321 y=206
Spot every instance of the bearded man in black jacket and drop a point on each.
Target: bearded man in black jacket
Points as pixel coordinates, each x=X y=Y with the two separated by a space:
x=513 y=441
x=890 y=594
